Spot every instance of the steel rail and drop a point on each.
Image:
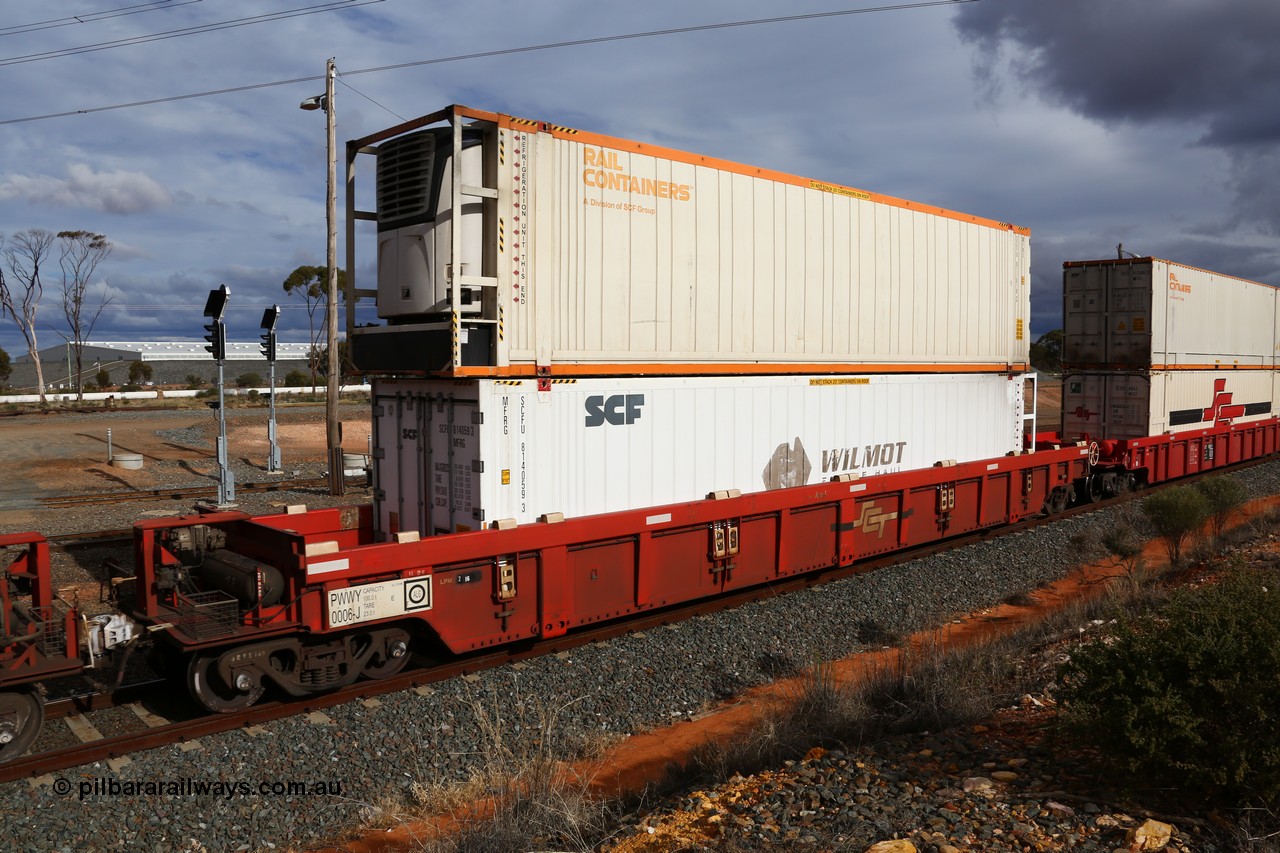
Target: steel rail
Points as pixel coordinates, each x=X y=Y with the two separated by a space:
x=205 y=724
x=41 y=764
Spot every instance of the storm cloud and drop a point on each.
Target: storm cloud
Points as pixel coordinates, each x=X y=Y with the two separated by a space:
x=1210 y=67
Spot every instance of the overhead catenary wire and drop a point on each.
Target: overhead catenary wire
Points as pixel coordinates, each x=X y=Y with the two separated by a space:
x=91 y=17
x=495 y=53
x=370 y=100
x=335 y=5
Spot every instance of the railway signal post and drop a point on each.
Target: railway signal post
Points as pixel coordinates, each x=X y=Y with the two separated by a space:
x=214 y=309
x=269 y=318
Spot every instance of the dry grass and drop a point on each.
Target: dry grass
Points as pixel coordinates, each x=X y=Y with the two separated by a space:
x=537 y=804
x=525 y=796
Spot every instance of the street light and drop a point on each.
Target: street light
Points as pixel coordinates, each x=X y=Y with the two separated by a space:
x=333 y=426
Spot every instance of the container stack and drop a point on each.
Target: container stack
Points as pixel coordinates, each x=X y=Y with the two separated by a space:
x=630 y=326
x=1152 y=347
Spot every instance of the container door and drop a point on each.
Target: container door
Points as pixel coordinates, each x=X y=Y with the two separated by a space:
x=399 y=495
x=453 y=467
x=1129 y=314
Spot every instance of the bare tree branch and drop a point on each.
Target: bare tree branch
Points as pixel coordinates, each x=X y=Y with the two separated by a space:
x=81 y=252
x=20 y=299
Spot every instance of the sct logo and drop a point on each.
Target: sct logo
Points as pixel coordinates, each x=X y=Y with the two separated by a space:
x=617 y=409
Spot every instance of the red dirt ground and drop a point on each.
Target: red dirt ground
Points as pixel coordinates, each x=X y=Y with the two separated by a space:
x=643 y=759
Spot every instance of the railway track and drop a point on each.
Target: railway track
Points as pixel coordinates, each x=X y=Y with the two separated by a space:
x=175 y=494
x=191 y=722
x=162 y=731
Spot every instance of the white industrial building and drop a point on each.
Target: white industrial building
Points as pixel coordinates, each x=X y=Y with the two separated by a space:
x=116 y=351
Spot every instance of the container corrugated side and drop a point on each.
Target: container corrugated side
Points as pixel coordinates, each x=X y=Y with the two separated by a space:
x=1148 y=313
x=1121 y=405
x=735 y=265
x=469 y=453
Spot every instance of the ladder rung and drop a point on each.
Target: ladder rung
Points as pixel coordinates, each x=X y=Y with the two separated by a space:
x=478 y=280
x=365 y=214
x=479 y=192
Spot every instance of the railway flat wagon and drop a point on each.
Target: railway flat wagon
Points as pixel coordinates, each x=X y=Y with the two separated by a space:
x=459 y=455
x=512 y=247
x=1152 y=314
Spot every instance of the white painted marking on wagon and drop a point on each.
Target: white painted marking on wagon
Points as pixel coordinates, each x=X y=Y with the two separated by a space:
x=857 y=487
x=658 y=519
x=329 y=566
x=993 y=466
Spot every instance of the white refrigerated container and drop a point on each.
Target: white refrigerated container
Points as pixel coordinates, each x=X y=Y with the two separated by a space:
x=586 y=254
x=1152 y=314
x=456 y=455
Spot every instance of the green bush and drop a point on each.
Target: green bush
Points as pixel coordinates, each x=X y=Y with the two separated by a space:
x=296 y=379
x=248 y=380
x=1224 y=496
x=139 y=372
x=1174 y=514
x=1186 y=697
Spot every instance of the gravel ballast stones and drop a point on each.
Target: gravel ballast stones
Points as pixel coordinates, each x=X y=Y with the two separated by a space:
x=360 y=759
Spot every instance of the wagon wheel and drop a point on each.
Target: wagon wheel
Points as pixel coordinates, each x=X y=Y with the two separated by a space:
x=1093 y=489
x=1057 y=501
x=21 y=716
x=208 y=688
x=390 y=658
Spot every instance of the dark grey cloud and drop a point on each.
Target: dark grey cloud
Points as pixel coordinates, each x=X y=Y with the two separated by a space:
x=1209 y=66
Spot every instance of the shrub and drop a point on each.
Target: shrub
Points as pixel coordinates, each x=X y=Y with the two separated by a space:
x=248 y=380
x=139 y=372
x=1186 y=697
x=102 y=378
x=296 y=378
x=1224 y=496
x=1175 y=514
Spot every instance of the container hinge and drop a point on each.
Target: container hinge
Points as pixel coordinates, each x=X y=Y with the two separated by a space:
x=504 y=574
x=477 y=417
x=477 y=466
x=379 y=494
